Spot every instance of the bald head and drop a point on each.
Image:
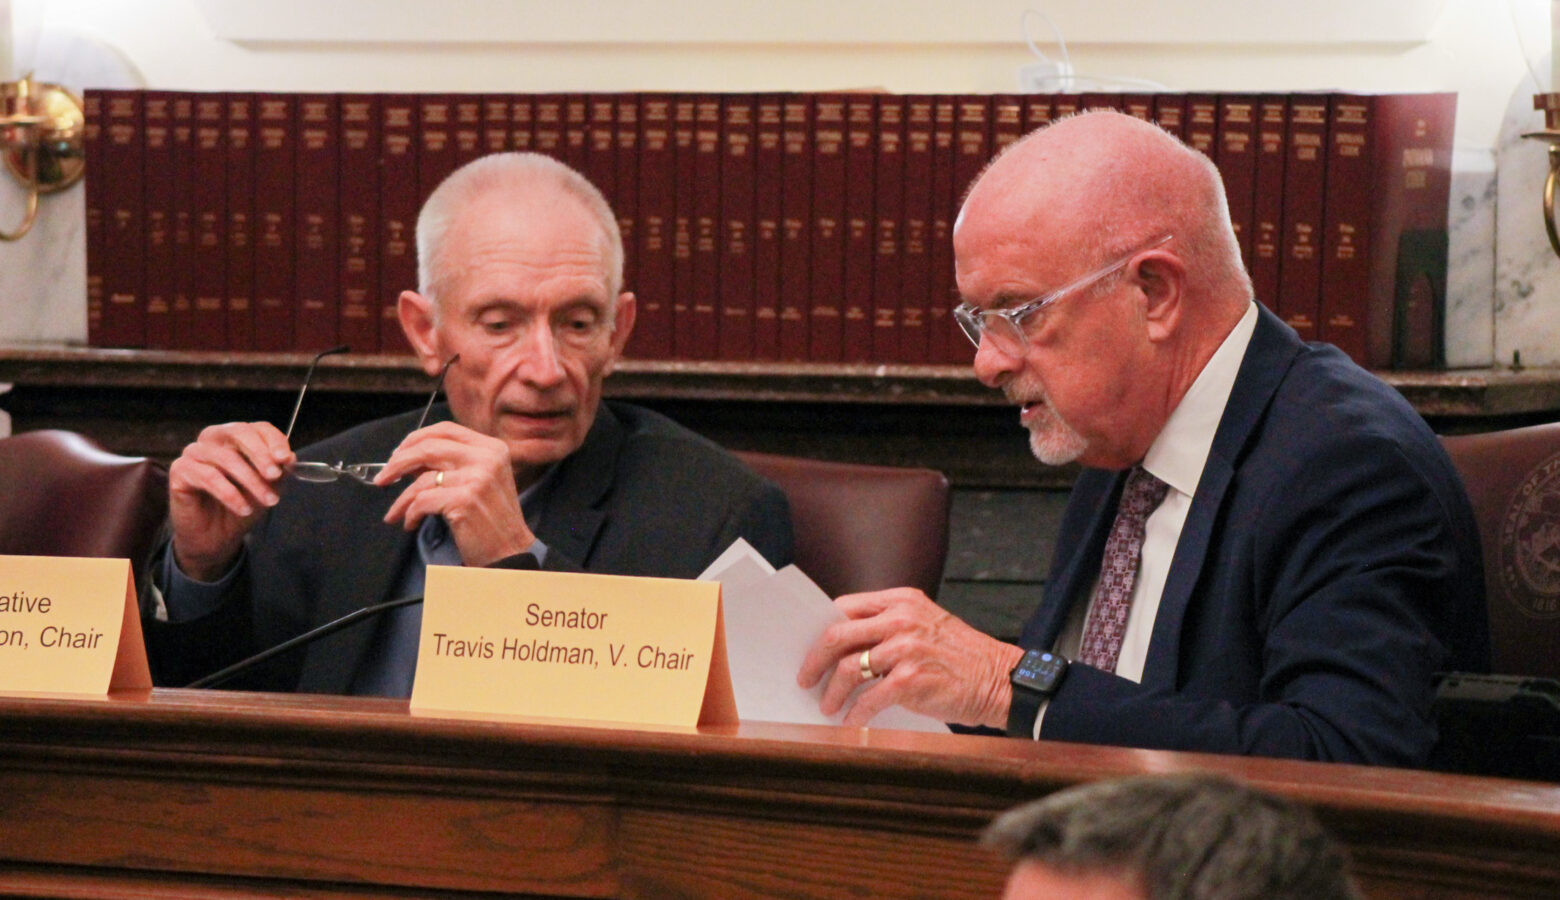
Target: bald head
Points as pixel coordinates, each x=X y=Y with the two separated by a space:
x=1100 y=184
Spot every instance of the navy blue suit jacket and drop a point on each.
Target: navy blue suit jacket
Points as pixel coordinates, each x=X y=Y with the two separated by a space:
x=1328 y=566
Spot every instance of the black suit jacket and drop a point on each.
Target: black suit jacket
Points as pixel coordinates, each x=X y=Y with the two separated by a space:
x=1328 y=565
x=641 y=496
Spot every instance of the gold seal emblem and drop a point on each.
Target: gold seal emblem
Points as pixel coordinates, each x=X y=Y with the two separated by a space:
x=1530 y=543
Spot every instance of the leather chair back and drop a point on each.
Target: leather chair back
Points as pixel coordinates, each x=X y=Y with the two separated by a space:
x=63 y=495
x=1513 y=480
x=861 y=527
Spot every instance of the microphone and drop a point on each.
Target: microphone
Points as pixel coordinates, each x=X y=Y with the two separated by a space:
x=308 y=637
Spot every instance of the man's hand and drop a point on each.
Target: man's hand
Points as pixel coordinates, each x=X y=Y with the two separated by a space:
x=466 y=477
x=930 y=661
x=217 y=488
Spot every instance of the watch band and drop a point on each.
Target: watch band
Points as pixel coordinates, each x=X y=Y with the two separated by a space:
x=1034 y=681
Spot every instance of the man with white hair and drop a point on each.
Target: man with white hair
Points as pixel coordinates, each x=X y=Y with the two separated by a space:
x=1267 y=552
x=520 y=270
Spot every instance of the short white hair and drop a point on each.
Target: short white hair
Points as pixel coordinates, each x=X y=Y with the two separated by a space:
x=524 y=176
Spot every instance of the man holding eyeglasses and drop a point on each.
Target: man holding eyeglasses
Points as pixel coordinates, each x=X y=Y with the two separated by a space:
x=1267 y=551
x=521 y=312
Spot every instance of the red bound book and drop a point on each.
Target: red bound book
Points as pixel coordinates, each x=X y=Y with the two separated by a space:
x=1170 y=113
x=1037 y=111
x=435 y=142
x=1384 y=249
x=1065 y=104
x=626 y=205
x=1007 y=121
x=683 y=282
x=941 y=330
x=522 y=123
x=1268 y=197
x=576 y=130
x=181 y=313
x=1236 y=158
x=95 y=190
x=360 y=229
x=209 y=175
x=888 y=242
x=737 y=185
x=1202 y=124
x=316 y=216
x=158 y=186
x=467 y=128
x=972 y=152
x=915 y=243
x=601 y=145
x=124 y=260
x=1138 y=106
x=1100 y=100
x=496 y=124
x=653 y=285
x=860 y=226
x=397 y=214
x=1305 y=181
x=796 y=166
x=767 y=215
x=704 y=335
x=828 y=232
x=240 y=221
x=275 y=140
x=548 y=126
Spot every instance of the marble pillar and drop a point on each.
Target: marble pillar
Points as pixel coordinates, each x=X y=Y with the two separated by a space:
x=1527 y=271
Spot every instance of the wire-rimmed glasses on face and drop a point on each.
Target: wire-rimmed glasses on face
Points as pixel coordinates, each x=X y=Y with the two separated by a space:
x=323 y=472
x=1005 y=327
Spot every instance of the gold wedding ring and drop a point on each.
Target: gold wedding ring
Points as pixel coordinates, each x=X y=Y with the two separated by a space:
x=438 y=480
x=866 y=665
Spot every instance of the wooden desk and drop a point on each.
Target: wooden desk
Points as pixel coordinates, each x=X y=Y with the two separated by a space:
x=239 y=795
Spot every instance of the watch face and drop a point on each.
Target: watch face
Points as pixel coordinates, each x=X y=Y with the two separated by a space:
x=1039 y=670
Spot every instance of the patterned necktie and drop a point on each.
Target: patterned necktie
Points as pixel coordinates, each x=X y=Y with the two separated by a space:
x=1107 y=623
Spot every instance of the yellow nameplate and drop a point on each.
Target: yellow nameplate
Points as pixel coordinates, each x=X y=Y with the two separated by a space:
x=69 y=625
x=603 y=648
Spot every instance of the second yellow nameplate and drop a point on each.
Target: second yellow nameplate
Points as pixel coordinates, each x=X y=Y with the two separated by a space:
x=605 y=648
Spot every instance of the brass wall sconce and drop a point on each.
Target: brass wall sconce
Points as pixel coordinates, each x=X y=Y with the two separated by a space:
x=41 y=132
x=1550 y=104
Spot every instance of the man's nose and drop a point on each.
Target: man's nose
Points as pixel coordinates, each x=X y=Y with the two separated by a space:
x=993 y=367
x=538 y=362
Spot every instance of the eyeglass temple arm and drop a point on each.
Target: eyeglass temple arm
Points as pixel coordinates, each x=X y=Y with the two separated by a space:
x=308 y=377
x=436 y=388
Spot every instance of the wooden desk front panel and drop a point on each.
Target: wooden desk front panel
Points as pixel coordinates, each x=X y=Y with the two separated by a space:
x=210 y=794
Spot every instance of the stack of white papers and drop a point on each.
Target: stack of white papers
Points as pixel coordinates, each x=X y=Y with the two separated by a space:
x=772 y=619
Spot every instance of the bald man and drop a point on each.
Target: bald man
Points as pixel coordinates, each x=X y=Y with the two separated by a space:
x=1267 y=551
x=520 y=270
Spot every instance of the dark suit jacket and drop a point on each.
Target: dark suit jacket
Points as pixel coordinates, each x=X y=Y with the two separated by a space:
x=1329 y=564
x=641 y=496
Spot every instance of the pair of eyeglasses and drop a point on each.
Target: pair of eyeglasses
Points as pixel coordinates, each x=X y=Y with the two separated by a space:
x=1005 y=327
x=323 y=472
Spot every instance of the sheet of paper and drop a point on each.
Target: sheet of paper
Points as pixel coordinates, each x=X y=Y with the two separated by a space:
x=772 y=618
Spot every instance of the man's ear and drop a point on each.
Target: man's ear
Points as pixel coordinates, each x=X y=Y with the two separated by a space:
x=1161 y=276
x=623 y=329
x=416 y=314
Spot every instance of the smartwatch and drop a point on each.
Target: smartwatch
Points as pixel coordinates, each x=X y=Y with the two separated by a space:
x=1035 y=679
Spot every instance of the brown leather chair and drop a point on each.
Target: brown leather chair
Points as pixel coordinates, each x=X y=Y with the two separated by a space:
x=861 y=527
x=1513 y=479
x=63 y=495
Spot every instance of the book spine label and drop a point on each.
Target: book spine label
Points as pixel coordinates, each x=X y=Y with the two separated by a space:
x=796 y=165
x=625 y=204
x=548 y=127
x=209 y=172
x=275 y=141
x=940 y=327
x=124 y=272
x=737 y=179
x=1305 y=181
x=888 y=242
x=435 y=142
x=398 y=206
x=158 y=211
x=317 y=276
x=522 y=123
x=467 y=127
x=601 y=146
x=1345 y=280
x=1202 y=124
x=973 y=150
x=1007 y=121
x=1138 y=106
x=828 y=231
x=576 y=131
x=1237 y=161
x=95 y=193
x=181 y=313
x=496 y=124
x=768 y=212
x=1037 y=111
x=654 y=286
x=860 y=227
x=1170 y=113
x=704 y=339
x=240 y=221
x=359 y=223
x=1268 y=196
x=915 y=247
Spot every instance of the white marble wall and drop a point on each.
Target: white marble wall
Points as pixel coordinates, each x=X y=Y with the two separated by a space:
x=1470 y=279
x=1527 y=271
